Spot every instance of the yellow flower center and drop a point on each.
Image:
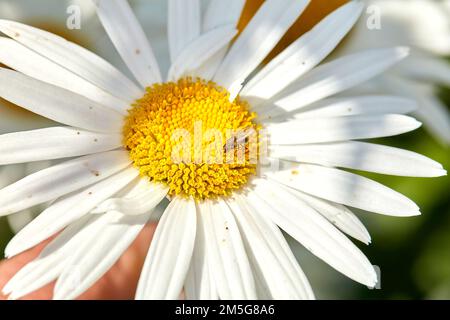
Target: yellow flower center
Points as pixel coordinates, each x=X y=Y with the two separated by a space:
x=189 y=136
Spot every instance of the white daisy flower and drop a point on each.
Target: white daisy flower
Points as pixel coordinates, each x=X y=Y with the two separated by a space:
x=423 y=26
x=220 y=236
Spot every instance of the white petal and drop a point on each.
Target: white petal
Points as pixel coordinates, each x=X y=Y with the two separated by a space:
x=74 y=58
x=142 y=198
x=427 y=69
x=54 y=143
x=421 y=24
x=270 y=253
x=318 y=130
x=50 y=262
x=199 y=284
x=313 y=231
x=14 y=119
x=57 y=104
x=200 y=50
x=227 y=258
x=260 y=36
x=208 y=69
x=183 y=25
x=214 y=294
x=170 y=253
x=362 y=156
x=304 y=54
x=66 y=210
x=27 y=61
x=433 y=112
x=19 y=220
x=337 y=214
x=129 y=39
x=10 y=174
x=436 y=117
x=220 y=13
x=339 y=75
x=33 y=167
x=60 y=179
x=346 y=188
x=262 y=288
x=347 y=106
x=94 y=257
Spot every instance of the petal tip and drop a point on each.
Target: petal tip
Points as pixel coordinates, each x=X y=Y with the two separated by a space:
x=415 y=213
x=8 y=288
x=367 y=240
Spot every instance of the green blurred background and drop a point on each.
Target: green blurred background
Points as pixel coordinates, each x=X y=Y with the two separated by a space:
x=413 y=254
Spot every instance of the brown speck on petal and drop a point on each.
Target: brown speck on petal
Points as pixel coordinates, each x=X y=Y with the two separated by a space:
x=96 y=173
x=138 y=51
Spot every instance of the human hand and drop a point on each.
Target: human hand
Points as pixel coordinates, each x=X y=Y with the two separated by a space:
x=119 y=283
